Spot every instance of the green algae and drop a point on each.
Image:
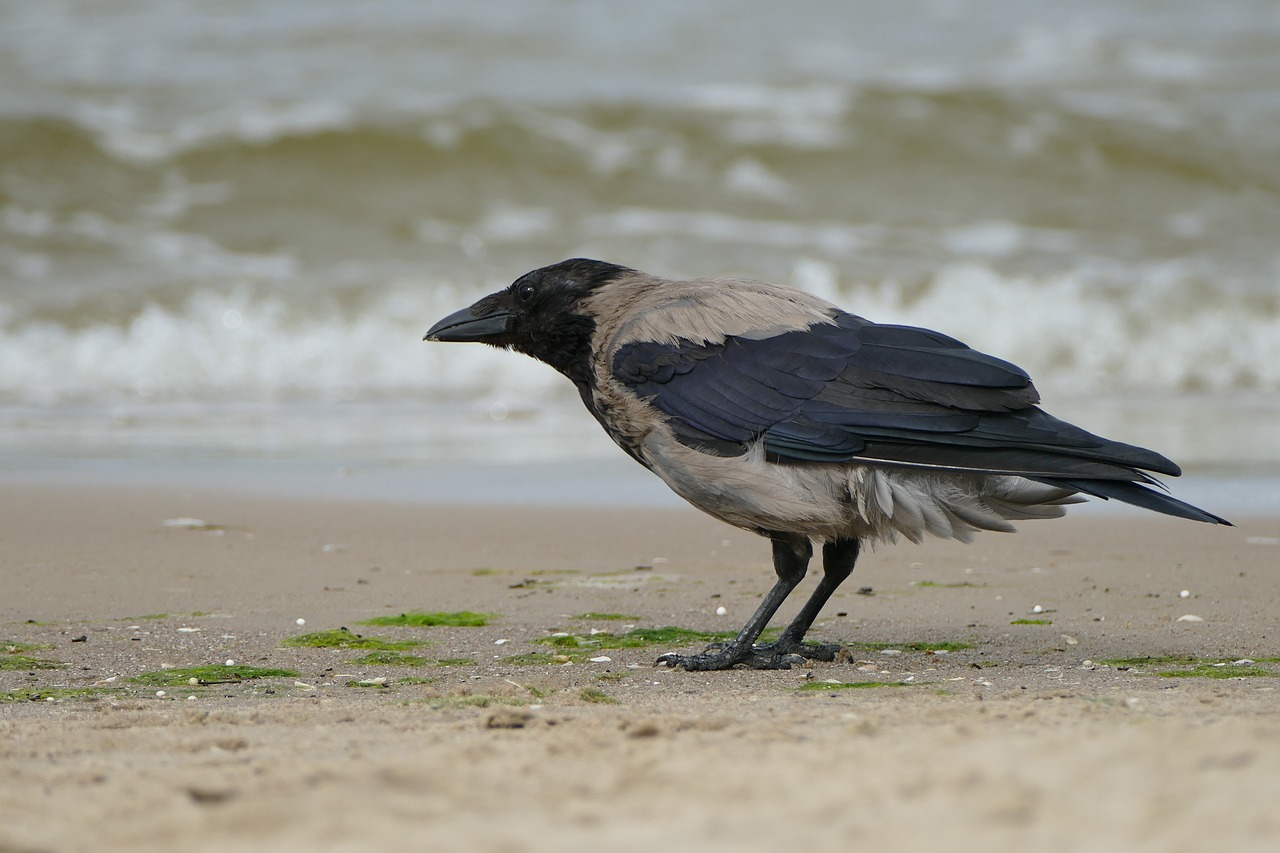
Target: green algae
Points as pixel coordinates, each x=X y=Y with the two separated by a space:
x=420 y=619
x=344 y=638
x=824 y=686
x=214 y=674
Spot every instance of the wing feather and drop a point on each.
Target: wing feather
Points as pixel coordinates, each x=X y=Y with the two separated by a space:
x=854 y=390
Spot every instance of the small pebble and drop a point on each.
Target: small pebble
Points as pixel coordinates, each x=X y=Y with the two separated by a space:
x=1186 y=593
x=230 y=662
x=500 y=642
x=160 y=694
x=300 y=621
x=185 y=523
x=1190 y=617
x=193 y=681
x=602 y=659
x=720 y=611
x=188 y=630
x=1037 y=609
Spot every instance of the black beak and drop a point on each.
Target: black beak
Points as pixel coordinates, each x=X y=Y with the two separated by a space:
x=478 y=323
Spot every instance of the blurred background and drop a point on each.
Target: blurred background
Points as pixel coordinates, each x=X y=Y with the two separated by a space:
x=224 y=227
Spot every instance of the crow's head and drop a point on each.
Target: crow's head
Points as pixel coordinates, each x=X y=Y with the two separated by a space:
x=540 y=314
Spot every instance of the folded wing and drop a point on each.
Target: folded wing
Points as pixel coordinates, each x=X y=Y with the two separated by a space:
x=857 y=391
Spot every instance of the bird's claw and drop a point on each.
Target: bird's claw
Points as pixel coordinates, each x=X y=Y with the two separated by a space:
x=728 y=658
x=780 y=654
x=805 y=651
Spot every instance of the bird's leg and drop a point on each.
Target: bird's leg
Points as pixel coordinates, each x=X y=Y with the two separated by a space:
x=838 y=557
x=791 y=555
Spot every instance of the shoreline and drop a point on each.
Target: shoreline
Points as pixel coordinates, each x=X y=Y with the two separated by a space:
x=610 y=481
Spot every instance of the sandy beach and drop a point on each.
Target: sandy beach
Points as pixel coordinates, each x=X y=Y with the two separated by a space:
x=993 y=695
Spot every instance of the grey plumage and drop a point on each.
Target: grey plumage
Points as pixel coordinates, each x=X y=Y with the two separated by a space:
x=778 y=412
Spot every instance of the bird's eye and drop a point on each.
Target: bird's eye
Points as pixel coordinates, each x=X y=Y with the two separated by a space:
x=525 y=293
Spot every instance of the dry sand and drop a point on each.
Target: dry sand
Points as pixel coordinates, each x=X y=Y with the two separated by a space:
x=1013 y=743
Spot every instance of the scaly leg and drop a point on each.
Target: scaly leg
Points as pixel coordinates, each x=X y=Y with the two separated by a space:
x=838 y=557
x=791 y=554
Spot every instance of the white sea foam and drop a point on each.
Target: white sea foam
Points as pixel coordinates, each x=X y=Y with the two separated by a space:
x=124 y=133
x=161 y=248
x=608 y=153
x=749 y=176
x=802 y=117
x=1152 y=329
x=242 y=345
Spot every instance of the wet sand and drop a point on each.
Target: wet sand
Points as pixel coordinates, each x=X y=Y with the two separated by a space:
x=966 y=731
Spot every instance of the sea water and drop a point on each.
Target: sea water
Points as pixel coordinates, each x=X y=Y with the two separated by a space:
x=224 y=227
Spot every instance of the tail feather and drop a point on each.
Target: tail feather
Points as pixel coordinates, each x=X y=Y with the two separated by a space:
x=1139 y=495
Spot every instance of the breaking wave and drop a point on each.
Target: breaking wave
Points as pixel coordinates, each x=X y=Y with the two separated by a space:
x=1086 y=331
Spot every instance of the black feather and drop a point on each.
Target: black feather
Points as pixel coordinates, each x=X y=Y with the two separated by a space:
x=854 y=390
x=1141 y=496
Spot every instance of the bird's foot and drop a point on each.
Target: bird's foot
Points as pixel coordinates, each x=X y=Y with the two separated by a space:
x=788 y=647
x=785 y=647
x=728 y=656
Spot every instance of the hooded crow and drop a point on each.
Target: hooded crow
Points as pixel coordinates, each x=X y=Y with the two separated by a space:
x=778 y=412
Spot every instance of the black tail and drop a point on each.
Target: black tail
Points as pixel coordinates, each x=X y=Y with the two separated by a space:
x=1138 y=495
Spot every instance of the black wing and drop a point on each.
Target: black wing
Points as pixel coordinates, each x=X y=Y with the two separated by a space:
x=856 y=390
